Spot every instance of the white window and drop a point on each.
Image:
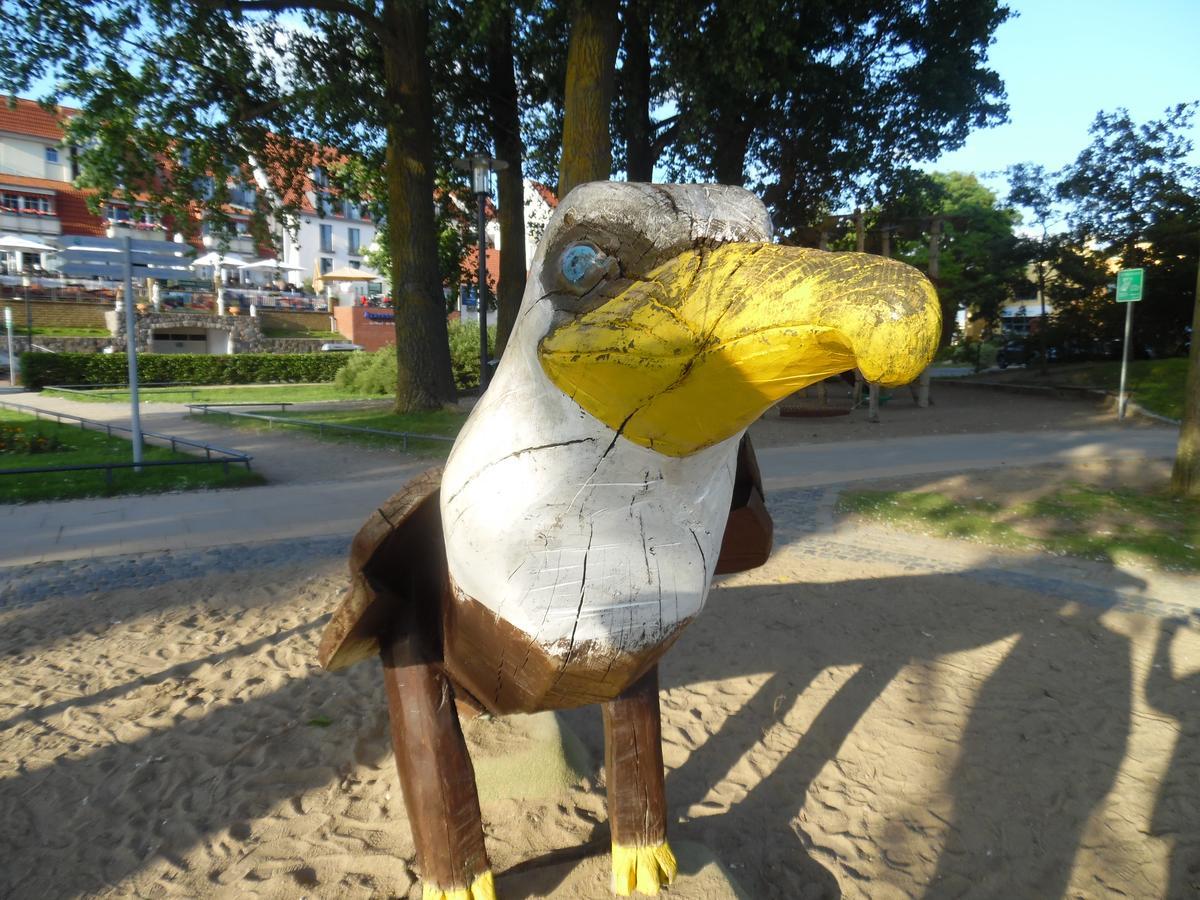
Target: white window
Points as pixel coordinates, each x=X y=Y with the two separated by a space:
x=51 y=154
x=355 y=237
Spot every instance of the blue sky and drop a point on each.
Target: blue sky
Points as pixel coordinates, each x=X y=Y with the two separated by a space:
x=1063 y=61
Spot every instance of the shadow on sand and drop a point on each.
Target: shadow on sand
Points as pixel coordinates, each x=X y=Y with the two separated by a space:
x=1040 y=750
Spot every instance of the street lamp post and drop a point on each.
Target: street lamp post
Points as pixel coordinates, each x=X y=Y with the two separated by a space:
x=12 y=362
x=218 y=276
x=131 y=359
x=481 y=166
x=25 y=282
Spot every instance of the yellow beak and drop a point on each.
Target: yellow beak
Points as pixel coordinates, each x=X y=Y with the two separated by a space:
x=701 y=346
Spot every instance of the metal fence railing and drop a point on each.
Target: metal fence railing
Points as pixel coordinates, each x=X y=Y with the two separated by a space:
x=323 y=427
x=223 y=456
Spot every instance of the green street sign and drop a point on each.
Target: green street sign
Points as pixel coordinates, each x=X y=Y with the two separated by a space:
x=1129 y=285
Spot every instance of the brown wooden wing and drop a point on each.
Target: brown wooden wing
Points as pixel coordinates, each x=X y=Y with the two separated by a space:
x=749 y=533
x=398 y=557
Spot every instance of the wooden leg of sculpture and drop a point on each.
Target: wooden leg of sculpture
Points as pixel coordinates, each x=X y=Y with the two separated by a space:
x=637 y=800
x=436 y=774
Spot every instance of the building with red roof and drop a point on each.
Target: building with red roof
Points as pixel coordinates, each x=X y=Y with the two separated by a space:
x=38 y=198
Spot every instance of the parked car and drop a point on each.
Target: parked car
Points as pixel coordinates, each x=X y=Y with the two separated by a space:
x=340 y=347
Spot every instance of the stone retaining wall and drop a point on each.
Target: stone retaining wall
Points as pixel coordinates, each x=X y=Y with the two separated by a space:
x=247 y=337
x=291 y=345
x=65 y=344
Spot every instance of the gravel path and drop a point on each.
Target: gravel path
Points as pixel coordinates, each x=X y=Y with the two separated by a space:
x=806 y=526
x=956 y=410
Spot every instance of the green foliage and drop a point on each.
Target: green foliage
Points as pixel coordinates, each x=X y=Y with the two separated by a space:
x=73 y=447
x=811 y=103
x=972 y=352
x=291 y=392
x=29 y=439
x=1156 y=384
x=464 y=353
x=1078 y=520
x=369 y=374
x=442 y=422
x=374 y=374
x=41 y=369
x=980 y=261
x=1133 y=192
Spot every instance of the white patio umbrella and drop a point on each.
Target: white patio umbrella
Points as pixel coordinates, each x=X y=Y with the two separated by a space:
x=14 y=242
x=346 y=273
x=219 y=263
x=271 y=264
x=218 y=260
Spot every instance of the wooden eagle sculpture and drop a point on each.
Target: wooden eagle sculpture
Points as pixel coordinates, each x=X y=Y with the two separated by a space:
x=596 y=489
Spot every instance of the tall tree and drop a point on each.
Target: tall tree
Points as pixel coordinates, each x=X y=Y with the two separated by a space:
x=1134 y=196
x=979 y=263
x=179 y=97
x=1032 y=188
x=806 y=102
x=636 y=125
x=1185 y=477
x=588 y=94
x=505 y=118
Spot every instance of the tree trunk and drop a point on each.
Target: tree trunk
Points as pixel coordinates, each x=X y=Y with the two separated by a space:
x=635 y=78
x=506 y=135
x=423 y=376
x=1185 y=479
x=935 y=237
x=731 y=140
x=587 y=98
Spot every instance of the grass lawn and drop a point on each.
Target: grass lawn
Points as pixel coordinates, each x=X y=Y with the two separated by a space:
x=293 y=333
x=440 y=422
x=64 y=445
x=217 y=393
x=1157 y=384
x=1073 y=519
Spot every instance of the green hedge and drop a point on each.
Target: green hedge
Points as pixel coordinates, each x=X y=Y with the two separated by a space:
x=41 y=369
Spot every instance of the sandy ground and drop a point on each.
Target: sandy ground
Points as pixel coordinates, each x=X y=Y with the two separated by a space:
x=870 y=715
x=831 y=729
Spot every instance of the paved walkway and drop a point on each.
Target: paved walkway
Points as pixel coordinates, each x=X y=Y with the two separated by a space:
x=324 y=489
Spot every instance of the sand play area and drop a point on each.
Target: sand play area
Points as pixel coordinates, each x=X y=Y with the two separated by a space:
x=847 y=721
x=873 y=714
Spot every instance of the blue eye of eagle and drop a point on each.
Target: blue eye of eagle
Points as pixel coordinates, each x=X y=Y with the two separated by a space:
x=578 y=261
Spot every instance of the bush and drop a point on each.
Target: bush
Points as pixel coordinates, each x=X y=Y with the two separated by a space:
x=374 y=374
x=973 y=352
x=464 y=353
x=41 y=369
x=369 y=374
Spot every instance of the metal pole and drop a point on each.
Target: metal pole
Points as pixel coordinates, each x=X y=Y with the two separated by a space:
x=483 y=348
x=1122 y=399
x=28 y=315
x=1041 y=273
x=135 y=420
x=12 y=360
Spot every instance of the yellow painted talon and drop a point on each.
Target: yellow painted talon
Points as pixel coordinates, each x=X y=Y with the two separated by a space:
x=642 y=869
x=482 y=888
